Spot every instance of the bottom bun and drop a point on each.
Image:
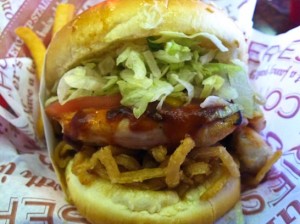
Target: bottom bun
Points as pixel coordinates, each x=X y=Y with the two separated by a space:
x=102 y=202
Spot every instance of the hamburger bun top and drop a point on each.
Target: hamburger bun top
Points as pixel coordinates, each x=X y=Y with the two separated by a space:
x=115 y=21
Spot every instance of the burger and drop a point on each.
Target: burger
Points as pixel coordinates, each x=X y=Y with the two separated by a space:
x=144 y=102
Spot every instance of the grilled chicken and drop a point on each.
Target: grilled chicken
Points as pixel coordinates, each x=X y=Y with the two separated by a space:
x=166 y=126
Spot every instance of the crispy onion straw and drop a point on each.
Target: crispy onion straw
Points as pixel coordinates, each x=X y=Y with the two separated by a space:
x=184 y=168
x=63 y=154
x=220 y=152
x=175 y=161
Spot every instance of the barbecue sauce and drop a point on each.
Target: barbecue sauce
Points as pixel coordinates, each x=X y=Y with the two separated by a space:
x=175 y=122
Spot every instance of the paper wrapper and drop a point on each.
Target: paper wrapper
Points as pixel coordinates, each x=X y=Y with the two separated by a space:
x=29 y=189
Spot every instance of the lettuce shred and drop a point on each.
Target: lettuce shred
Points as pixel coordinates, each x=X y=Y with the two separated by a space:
x=172 y=65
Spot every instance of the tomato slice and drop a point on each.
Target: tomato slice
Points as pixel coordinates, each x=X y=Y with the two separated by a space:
x=98 y=102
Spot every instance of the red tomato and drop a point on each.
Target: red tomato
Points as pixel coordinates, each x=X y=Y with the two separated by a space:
x=98 y=102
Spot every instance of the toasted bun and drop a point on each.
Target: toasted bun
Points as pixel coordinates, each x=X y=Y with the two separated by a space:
x=103 y=202
x=114 y=21
x=105 y=27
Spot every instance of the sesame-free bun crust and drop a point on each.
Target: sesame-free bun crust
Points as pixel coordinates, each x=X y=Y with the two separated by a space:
x=103 y=202
x=114 y=21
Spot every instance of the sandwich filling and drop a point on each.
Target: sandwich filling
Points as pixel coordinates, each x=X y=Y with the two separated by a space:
x=173 y=67
x=153 y=113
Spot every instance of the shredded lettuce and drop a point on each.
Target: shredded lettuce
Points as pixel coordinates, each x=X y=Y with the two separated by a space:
x=211 y=83
x=186 y=85
x=170 y=67
x=151 y=62
x=227 y=92
x=106 y=65
x=241 y=91
x=192 y=39
x=208 y=57
x=239 y=81
x=76 y=81
x=173 y=53
x=139 y=98
x=133 y=60
x=212 y=101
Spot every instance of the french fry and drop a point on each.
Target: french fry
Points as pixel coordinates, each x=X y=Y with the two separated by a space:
x=35 y=45
x=64 y=13
x=38 y=51
x=40 y=126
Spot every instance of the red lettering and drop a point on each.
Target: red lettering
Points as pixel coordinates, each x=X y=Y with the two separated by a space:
x=287 y=53
x=3 y=78
x=15 y=48
x=293 y=74
x=272 y=100
x=40 y=181
x=70 y=214
x=19 y=64
x=7 y=169
x=295 y=152
x=292 y=167
x=271 y=221
x=3 y=64
x=26 y=173
x=6 y=7
x=281 y=187
x=252 y=204
x=270 y=52
x=31 y=69
x=46 y=161
x=30 y=144
x=254 y=51
x=276 y=99
x=293 y=110
x=16 y=81
x=10 y=214
x=274 y=141
x=28 y=108
x=31 y=81
x=242 y=3
x=286 y=216
x=284 y=54
x=48 y=210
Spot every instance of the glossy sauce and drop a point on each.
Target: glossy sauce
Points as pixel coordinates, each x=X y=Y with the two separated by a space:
x=181 y=121
x=175 y=122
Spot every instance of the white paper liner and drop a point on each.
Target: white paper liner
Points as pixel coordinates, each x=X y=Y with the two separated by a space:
x=29 y=188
